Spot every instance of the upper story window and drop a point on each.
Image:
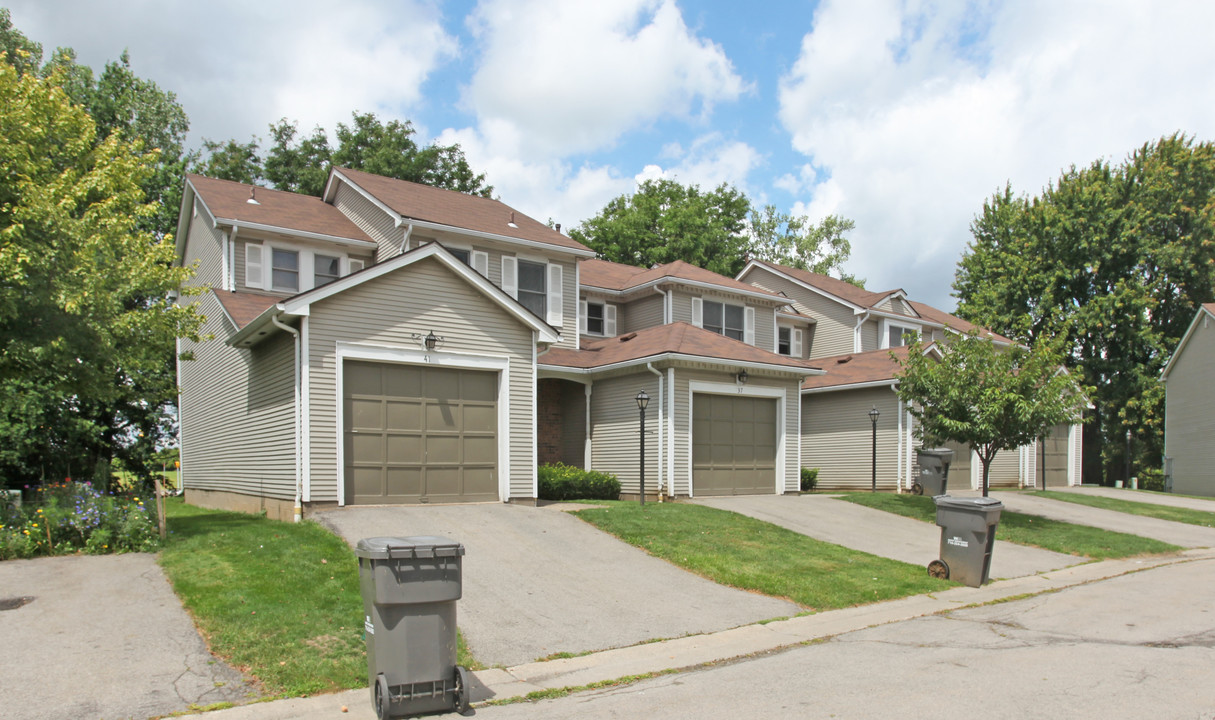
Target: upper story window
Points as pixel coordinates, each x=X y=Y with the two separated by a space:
x=327 y=269
x=537 y=285
x=900 y=335
x=464 y=256
x=789 y=341
x=594 y=318
x=724 y=319
x=293 y=270
x=533 y=291
x=597 y=318
x=285 y=270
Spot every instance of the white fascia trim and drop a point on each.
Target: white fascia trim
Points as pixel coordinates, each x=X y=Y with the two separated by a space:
x=797 y=318
x=917 y=318
x=811 y=288
x=561 y=369
x=1164 y=375
x=189 y=198
x=413 y=356
x=734 y=389
x=245 y=225
x=884 y=330
x=331 y=192
x=299 y=304
x=536 y=245
x=306 y=407
x=851 y=386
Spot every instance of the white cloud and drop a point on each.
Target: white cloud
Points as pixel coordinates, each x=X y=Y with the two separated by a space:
x=579 y=75
x=710 y=161
x=917 y=112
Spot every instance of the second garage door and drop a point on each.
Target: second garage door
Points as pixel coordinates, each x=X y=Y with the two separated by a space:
x=1056 y=456
x=733 y=445
x=419 y=434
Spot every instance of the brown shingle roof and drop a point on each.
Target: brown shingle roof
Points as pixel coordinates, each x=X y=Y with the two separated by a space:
x=826 y=283
x=854 y=368
x=932 y=314
x=230 y=200
x=679 y=337
x=459 y=210
x=1209 y=307
x=244 y=308
x=615 y=276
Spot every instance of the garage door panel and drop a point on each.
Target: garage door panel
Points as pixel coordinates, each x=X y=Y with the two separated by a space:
x=362 y=379
x=733 y=445
x=402 y=381
x=479 y=387
x=442 y=416
x=366 y=481
x=402 y=415
x=479 y=483
x=443 y=480
x=365 y=414
x=480 y=418
x=403 y=483
x=367 y=448
x=403 y=449
x=442 y=384
x=480 y=450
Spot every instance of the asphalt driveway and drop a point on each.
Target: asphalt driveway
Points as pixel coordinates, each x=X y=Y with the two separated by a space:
x=825 y=518
x=102 y=637
x=538 y=581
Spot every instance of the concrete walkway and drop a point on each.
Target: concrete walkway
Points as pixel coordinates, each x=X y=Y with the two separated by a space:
x=538 y=581
x=876 y=532
x=689 y=652
x=1190 y=536
x=1142 y=496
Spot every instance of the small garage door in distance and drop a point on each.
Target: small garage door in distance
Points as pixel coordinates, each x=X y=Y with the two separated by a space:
x=733 y=445
x=419 y=434
x=1056 y=457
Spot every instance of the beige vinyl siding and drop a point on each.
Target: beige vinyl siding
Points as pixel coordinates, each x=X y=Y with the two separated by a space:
x=683 y=427
x=379 y=225
x=836 y=322
x=645 y=312
x=1005 y=469
x=416 y=299
x=897 y=306
x=870 y=335
x=616 y=440
x=837 y=438
x=204 y=245
x=237 y=419
x=1189 y=413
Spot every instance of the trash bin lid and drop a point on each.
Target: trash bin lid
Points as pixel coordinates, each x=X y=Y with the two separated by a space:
x=943 y=453
x=968 y=503
x=422 y=546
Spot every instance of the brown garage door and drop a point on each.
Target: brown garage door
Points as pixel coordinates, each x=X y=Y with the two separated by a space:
x=959 y=468
x=1056 y=457
x=417 y=434
x=733 y=445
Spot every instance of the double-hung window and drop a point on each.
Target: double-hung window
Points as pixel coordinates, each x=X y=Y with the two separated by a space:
x=327 y=268
x=285 y=270
x=900 y=335
x=789 y=341
x=724 y=319
x=594 y=318
x=532 y=289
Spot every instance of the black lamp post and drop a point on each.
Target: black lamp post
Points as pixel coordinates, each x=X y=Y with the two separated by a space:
x=642 y=401
x=1128 y=458
x=873 y=415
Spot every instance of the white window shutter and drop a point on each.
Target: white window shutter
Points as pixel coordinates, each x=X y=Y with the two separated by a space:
x=354 y=266
x=609 y=320
x=255 y=274
x=480 y=262
x=510 y=276
x=796 y=343
x=582 y=317
x=698 y=312
x=556 y=314
x=749 y=325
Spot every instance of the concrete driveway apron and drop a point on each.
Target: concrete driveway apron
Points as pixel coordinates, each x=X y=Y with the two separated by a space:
x=1163 y=530
x=103 y=637
x=1148 y=498
x=880 y=533
x=538 y=581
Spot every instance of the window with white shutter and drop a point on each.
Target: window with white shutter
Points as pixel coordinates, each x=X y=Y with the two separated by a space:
x=749 y=325
x=556 y=313
x=480 y=262
x=697 y=312
x=582 y=306
x=797 y=342
x=609 y=320
x=510 y=276
x=255 y=276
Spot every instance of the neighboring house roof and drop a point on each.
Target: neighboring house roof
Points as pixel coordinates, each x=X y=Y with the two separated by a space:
x=243 y=308
x=1205 y=309
x=228 y=203
x=616 y=277
x=455 y=210
x=845 y=291
x=941 y=317
x=674 y=339
x=252 y=331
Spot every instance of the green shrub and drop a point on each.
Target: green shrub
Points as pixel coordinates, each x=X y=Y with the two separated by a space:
x=69 y=517
x=809 y=478
x=565 y=482
x=1151 y=479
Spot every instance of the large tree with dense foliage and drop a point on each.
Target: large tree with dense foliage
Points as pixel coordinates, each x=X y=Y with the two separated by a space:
x=664 y=220
x=985 y=396
x=85 y=315
x=301 y=163
x=1115 y=259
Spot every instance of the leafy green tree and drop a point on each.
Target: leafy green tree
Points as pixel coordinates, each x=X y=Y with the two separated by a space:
x=796 y=242
x=988 y=397
x=664 y=221
x=302 y=166
x=85 y=318
x=1114 y=259
x=232 y=160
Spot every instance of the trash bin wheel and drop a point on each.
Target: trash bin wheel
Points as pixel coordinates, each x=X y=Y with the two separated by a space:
x=383 y=698
x=938 y=569
x=461 y=694
x=917 y=489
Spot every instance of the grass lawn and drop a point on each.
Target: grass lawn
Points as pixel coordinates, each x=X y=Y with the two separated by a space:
x=1027 y=529
x=1162 y=512
x=279 y=601
x=750 y=554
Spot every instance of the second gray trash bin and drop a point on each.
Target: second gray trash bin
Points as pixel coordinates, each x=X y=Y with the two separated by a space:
x=933 y=464
x=968 y=533
x=410 y=586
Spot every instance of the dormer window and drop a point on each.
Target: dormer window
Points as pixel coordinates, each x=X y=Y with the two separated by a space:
x=597 y=318
x=285 y=270
x=898 y=335
x=328 y=268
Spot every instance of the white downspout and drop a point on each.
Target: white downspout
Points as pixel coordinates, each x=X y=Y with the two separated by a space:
x=898 y=484
x=587 y=455
x=661 y=436
x=671 y=434
x=299 y=465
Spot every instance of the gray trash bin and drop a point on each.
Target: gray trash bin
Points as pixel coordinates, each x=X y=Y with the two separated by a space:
x=968 y=533
x=410 y=586
x=934 y=470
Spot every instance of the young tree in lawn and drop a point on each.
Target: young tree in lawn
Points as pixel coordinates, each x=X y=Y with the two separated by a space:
x=988 y=397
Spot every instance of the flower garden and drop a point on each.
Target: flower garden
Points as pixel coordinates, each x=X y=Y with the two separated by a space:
x=70 y=517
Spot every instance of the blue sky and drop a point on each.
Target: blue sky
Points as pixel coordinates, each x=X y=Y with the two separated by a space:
x=903 y=116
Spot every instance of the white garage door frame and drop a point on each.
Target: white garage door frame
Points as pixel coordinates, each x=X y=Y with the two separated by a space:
x=713 y=388
x=413 y=356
